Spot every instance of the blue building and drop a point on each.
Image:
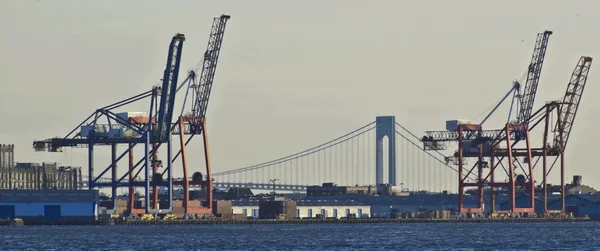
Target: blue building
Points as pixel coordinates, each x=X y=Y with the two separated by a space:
x=581 y=204
x=522 y=200
x=49 y=204
x=382 y=206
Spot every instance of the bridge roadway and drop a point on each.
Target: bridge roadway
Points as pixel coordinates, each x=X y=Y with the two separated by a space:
x=217 y=184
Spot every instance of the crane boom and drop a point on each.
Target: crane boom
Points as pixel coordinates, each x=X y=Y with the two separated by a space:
x=533 y=77
x=169 y=87
x=570 y=103
x=211 y=56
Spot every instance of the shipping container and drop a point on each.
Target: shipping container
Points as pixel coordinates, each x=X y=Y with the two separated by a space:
x=7 y=211
x=129 y=133
x=452 y=125
x=141 y=120
x=99 y=130
x=127 y=115
x=469 y=146
x=52 y=212
x=116 y=133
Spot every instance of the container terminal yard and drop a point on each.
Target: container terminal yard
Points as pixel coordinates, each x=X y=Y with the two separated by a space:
x=500 y=174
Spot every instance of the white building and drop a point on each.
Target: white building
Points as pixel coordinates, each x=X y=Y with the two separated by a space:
x=310 y=208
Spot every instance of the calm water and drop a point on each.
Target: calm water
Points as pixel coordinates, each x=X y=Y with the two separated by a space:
x=499 y=236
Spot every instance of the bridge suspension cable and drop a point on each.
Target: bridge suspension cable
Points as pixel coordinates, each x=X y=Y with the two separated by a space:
x=309 y=151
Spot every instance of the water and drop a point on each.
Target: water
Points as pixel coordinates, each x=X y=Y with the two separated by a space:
x=492 y=236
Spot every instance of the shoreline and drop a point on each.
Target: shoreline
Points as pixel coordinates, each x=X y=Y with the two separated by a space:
x=288 y=221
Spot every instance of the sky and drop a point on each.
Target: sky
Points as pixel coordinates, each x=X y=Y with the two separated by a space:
x=292 y=74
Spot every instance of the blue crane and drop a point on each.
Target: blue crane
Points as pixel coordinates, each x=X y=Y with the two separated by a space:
x=169 y=88
x=130 y=130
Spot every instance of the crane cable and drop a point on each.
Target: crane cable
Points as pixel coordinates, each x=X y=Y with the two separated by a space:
x=494 y=104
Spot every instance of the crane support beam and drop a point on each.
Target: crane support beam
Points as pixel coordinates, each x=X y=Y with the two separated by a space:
x=533 y=77
x=169 y=87
x=436 y=136
x=571 y=101
x=202 y=90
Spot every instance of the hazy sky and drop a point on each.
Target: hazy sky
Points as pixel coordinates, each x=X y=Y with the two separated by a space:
x=292 y=74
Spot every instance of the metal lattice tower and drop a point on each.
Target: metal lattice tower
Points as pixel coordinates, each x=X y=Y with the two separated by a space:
x=209 y=66
x=571 y=101
x=533 y=77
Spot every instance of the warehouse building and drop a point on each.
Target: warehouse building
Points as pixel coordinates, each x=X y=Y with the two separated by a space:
x=580 y=205
x=49 y=204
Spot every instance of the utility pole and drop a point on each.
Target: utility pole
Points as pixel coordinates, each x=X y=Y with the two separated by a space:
x=273 y=181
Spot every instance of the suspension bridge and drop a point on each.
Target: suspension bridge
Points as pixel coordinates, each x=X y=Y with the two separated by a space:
x=382 y=151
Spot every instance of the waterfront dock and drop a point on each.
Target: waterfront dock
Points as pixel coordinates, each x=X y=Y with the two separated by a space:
x=286 y=221
x=13 y=222
x=349 y=221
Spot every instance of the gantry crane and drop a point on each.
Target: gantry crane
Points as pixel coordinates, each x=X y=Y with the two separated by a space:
x=140 y=128
x=474 y=142
x=194 y=123
x=131 y=129
x=567 y=110
x=433 y=140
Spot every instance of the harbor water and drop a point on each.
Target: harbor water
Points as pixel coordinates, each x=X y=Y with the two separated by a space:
x=417 y=236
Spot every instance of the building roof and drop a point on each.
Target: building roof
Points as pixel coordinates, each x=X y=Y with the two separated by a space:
x=329 y=203
x=551 y=198
x=239 y=192
x=582 y=189
x=29 y=196
x=594 y=198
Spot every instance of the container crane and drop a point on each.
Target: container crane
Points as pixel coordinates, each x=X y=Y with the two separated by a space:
x=133 y=128
x=566 y=112
x=129 y=128
x=473 y=141
x=434 y=140
x=194 y=123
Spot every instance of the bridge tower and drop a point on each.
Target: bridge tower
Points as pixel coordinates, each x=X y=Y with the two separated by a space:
x=385 y=126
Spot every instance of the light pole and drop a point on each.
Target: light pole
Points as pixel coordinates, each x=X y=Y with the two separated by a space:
x=273 y=181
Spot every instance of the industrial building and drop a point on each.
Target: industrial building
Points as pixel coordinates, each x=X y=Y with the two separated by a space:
x=580 y=199
x=277 y=208
x=580 y=205
x=41 y=205
x=36 y=176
